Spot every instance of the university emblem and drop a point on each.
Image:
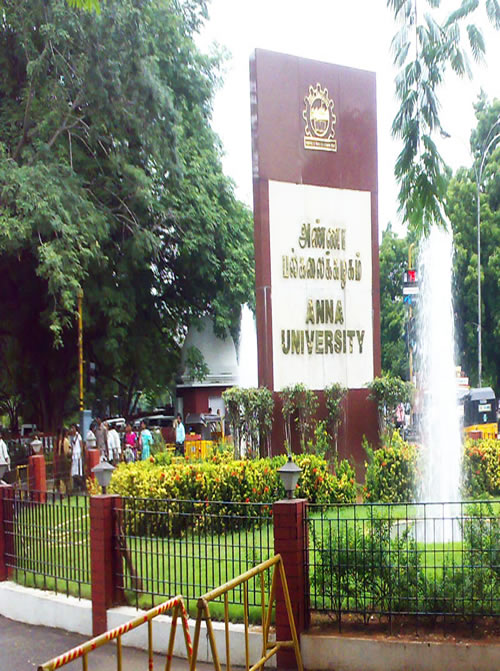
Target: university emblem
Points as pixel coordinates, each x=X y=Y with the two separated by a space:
x=320 y=120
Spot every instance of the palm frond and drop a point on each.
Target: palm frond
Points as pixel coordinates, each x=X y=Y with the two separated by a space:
x=476 y=42
x=493 y=12
x=466 y=8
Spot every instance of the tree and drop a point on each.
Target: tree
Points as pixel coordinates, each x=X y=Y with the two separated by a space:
x=461 y=209
x=393 y=314
x=111 y=181
x=424 y=48
x=388 y=391
x=334 y=399
x=302 y=402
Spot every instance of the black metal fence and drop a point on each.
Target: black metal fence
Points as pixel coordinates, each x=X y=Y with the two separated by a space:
x=418 y=559
x=47 y=541
x=173 y=547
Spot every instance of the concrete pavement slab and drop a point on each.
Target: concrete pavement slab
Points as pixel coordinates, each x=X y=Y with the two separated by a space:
x=23 y=647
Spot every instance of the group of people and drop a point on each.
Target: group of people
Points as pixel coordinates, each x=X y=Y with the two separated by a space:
x=131 y=446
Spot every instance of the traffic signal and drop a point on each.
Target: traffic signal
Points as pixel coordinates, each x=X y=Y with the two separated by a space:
x=410 y=283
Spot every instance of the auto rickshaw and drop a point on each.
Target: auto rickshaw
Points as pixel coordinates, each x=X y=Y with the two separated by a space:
x=480 y=413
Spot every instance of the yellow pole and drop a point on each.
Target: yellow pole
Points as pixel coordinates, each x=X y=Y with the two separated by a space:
x=410 y=267
x=80 y=346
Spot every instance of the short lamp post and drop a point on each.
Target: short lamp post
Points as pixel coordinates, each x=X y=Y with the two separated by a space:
x=289 y=474
x=36 y=446
x=103 y=472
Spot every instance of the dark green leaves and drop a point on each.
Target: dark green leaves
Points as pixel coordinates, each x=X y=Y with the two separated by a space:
x=424 y=48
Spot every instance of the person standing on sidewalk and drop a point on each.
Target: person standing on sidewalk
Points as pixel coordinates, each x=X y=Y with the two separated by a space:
x=114 y=445
x=101 y=436
x=77 y=458
x=180 y=435
x=4 y=452
x=146 y=440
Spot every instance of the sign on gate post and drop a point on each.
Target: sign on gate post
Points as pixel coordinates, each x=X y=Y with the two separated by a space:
x=314 y=147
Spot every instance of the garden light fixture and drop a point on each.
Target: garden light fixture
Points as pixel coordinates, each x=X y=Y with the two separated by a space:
x=36 y=446
x=289 y=474
x=103 y=473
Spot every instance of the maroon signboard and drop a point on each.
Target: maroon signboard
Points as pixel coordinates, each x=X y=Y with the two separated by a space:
x=314 y=144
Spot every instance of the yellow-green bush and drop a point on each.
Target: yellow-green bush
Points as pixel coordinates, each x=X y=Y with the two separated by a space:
x=200 y=487
x=391 y=471
x=481 y=468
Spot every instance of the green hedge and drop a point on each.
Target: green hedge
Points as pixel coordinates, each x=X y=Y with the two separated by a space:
x=392 y=471
x=373 y=564
x=240 y=483
x=481 y=468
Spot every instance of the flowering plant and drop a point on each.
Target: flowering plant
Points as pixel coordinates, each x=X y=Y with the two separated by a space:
x=481 y=468
x=391 y=471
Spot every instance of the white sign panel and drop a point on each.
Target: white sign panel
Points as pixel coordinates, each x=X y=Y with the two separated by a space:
x=321 y=284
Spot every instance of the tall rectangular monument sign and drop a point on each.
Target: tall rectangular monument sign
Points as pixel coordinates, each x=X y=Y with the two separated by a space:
x=314 y=143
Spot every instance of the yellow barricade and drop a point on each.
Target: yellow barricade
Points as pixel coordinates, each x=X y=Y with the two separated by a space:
x=197 y=449
x=23 y=476
x=82 y=651
x=269 y=648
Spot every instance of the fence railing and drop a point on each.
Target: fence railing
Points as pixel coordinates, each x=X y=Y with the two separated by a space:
x=438 y=559
x=190 y=547
x=58 y=474
x=47 y=541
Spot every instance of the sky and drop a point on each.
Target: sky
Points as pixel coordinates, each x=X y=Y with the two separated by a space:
x=354 y=33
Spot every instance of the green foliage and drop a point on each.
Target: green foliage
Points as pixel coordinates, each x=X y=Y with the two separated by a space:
x=362 y=566
x=250 y=413
x=320 y=443
x=462 y=212
x=302 y=402
x=481 y=468
x=233 y=399
x=196 y=366
x=425 y=48
x=393 y=254
x=219 y=480
x=111 y=181
x=88 y=5
x=334 y=399
x=481 y=537
x=392 y=473
x=372 y=564
x=388 y=391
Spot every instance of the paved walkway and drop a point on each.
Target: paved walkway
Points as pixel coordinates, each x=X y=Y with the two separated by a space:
x=23 y=647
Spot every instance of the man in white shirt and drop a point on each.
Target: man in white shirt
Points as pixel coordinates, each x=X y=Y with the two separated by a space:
x=90 y=439
x=4 y=452
x=114 y=446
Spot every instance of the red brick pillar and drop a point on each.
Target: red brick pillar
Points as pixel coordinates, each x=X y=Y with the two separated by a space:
x=93 y=458
x=104 y=559
x=6 y=538
x=38 y=477
x=290 y=541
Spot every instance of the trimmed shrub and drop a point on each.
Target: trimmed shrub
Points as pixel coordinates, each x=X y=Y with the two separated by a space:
x=201 y=486
x=481 y=468
x=245 y=481
x=391 y=471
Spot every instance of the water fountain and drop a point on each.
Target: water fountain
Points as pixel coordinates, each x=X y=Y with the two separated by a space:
x=440 y=423
x=247 y=350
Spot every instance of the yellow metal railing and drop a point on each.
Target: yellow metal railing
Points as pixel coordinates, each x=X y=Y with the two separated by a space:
x=82 y=651
x=269 y=648
x=20 y=470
